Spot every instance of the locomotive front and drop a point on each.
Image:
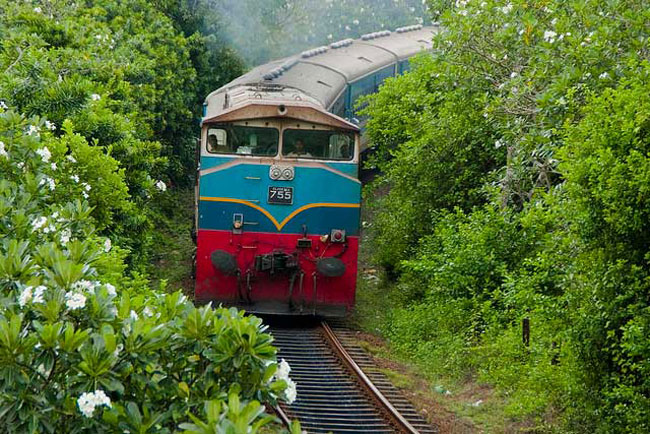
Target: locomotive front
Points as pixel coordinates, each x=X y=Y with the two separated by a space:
x=278 y=202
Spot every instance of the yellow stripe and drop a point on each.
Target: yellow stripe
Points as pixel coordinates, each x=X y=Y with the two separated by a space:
x=279 y=226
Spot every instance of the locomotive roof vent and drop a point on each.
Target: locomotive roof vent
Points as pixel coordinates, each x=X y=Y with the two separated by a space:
x=289 y=64
x=409 y=28
x=341 y=44
x=314 y=52
x=276 y=72
x=375 y=35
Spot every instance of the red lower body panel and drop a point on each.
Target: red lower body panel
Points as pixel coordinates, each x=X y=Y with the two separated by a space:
x=298 y=290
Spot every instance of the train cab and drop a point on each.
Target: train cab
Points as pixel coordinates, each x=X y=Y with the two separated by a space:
x=277 y=212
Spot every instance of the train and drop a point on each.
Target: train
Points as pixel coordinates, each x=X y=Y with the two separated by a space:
x=277 y=197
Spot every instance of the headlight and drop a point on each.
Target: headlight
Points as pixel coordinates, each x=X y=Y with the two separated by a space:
x=281 y=173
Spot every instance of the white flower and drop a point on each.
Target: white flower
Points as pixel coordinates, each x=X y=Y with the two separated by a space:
x=355 y=22
x=65 y=236
x=513 y=75
x=53 y=166
x=3 y=151
x=603 y=76
x=110 y=289
x=161 y=186
x=41 y=370
x=147 y=312
x=95 y=97
x=25 y=296
x=291 y=391
x=84 y=194
x=107 y=245
x=49 y=229
x=75 y=178
x=85 y=406
x=38 y=223
x=133 y=315
x=3 y=105
x=38 y=10
x=38 y=294
x=33 y=130
x=70 y=158
x=50 y=126
x=87 y=402
x=86 y=186
x=498 y=144
x=549 y=36
x=45 y=154
x=83 y=285
x=283 y=370
x=75 y=300
x=100 y=398
x=118 y=349
x=506 y=9
x=49 y=181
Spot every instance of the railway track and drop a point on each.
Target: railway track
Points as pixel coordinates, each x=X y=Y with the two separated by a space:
x=339 y=388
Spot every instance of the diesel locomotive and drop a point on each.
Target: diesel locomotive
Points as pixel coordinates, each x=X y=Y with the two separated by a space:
x=278 y=195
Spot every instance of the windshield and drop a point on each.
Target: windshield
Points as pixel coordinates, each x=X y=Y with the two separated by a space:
x=242 y=140
x=318 y=144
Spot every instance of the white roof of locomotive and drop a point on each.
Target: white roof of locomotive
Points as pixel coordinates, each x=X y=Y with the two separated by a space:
x=318 y=76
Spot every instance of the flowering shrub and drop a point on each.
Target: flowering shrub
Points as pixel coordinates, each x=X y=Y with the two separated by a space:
x=84 y=348
x=131 y=76
x=518 y=184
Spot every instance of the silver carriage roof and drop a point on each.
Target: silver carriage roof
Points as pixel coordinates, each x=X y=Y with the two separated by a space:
x=317 y=77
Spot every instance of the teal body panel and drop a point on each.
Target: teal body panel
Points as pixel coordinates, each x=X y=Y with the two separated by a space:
x=324 y=198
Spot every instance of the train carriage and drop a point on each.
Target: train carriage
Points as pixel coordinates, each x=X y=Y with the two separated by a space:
x=278 y=194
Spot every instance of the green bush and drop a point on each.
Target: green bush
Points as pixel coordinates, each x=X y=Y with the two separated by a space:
x=84 y=348
x=540 y=211
x=607 y=167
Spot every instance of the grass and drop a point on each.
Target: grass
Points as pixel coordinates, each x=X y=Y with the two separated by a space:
x=173 y=251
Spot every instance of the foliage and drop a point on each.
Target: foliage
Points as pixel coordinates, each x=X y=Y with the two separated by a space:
x=84 y=348
x=539 y=211
x=129 y=80
x=444 y=157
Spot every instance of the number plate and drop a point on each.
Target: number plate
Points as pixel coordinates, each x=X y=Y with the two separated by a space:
x=280 y=195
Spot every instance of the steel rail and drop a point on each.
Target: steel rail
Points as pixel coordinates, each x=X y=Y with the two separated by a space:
x=395 y=417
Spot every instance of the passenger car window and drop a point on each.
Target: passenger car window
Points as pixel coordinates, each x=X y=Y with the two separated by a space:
x=318 y=144
x=242 y=140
